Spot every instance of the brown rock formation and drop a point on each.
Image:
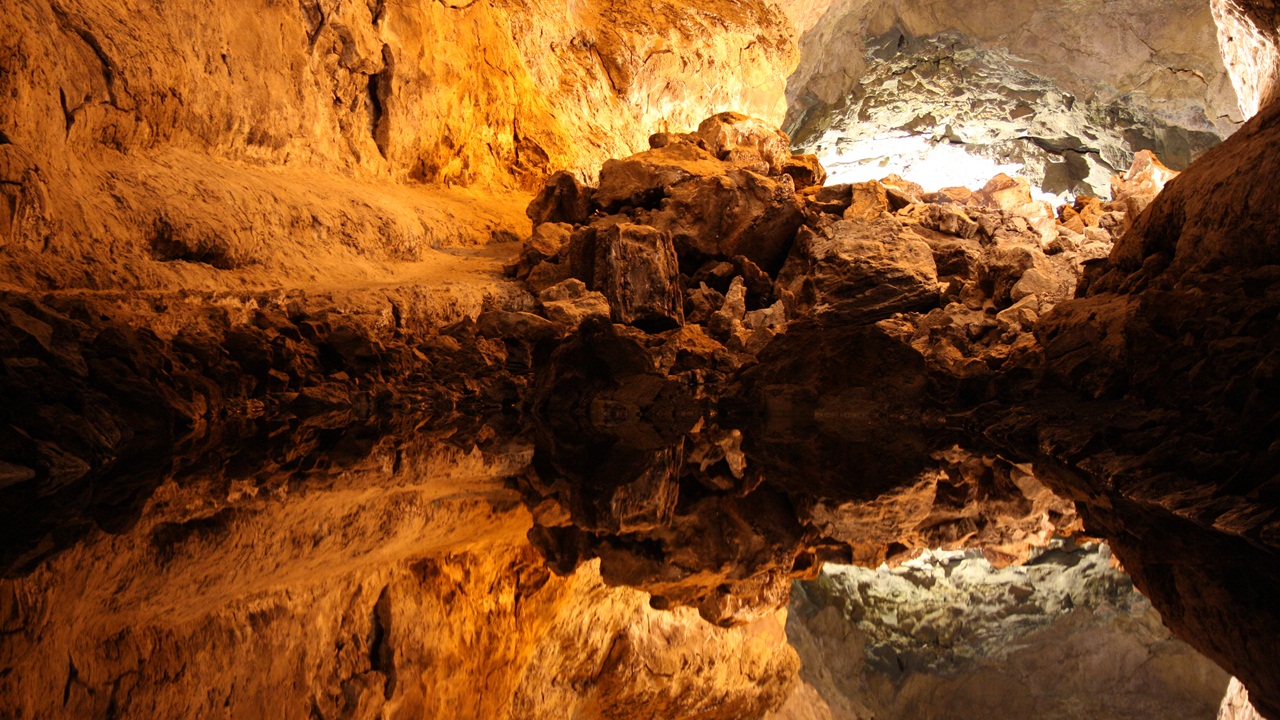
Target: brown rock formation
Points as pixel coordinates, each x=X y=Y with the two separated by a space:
x=268 y=139
x=240 y=314
x=1161 y=406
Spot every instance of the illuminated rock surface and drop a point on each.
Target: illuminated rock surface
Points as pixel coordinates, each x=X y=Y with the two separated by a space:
x=1064 y=636
x=279 y=438
x=1071 y=91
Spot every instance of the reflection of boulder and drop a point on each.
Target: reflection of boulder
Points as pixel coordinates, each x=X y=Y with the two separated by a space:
x=613 y=432
x=832 y=388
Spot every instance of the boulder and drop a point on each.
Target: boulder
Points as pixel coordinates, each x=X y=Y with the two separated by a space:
x=805 y=171
x=746 y=141
x=570 y=302
x=867 y=201
x=562 y=200
x=643 y=179
x=948 y=219
x=863 y=270
x=1003 y=193
x=736 y=213
x=636 y=270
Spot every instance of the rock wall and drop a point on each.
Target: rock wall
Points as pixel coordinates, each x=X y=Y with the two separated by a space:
x=1247 y=36
x=258 y=135
x=1079 y=87
x=397 y=584
x=1150 y=53
x=949 y=636
x=1174 y=339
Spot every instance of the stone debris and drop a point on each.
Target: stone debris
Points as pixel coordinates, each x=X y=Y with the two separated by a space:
x=705 y=276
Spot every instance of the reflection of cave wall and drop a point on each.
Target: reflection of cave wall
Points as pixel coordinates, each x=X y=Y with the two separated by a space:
x=1105 y=79
x=947 y=635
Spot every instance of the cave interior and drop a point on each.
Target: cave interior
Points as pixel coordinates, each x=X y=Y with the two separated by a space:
x=809 y=360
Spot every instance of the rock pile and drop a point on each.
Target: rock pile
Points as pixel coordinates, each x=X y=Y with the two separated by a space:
x=723 y=234
x=739 y=339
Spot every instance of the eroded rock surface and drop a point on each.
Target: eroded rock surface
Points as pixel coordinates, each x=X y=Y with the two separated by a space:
x=1063 y=636
x=168 y=146
x=932 y=104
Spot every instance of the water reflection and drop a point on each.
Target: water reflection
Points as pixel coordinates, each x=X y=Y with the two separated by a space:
x=715 y=491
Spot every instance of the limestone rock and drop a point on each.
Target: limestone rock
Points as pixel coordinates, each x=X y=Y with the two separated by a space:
x=1041 y=96
x=1184 y=264
x=1004 y=193
x=561 y=200
x=1141 y=183
x=642 y=180
x=1247 y=37
x=737 y=213
x=636 y=270
x=867 y=201
x=882 y=643
x=805 y=171
x=949 y=219
x=746 y=141
x=860 y=270
x=569 y=303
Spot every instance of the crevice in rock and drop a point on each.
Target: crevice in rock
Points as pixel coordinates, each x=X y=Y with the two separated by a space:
x=379 y=89
x=110 y=70
x=315 y=18
x=382 y=654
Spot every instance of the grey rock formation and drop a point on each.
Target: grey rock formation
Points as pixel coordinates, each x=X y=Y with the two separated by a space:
x=946 y=90
x=947 y=635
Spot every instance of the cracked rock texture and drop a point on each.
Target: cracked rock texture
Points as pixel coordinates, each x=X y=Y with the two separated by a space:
x=1073 y=91
x=287 y=139
x=983 y=101
x=1064 y=636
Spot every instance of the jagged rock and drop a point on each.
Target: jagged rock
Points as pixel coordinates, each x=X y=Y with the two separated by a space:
x=548 y=241
x=1159 y=388
x=561 y=200
x=643 y=179
x=939 y=84
x=829 y=199
x=736 y=213
x=902 y=192
x=1003 y=193
x=758 y=283
x=863 y=270
x=726 y=323
x=1236 y=705
x=747 y=141
x=805 y=171
x=949 y=219
x=1141 y=183
x=569 y=303
x=884 y=642
x=771 y=317
x=1016 y=270
x=636 y=270
x=867 y=201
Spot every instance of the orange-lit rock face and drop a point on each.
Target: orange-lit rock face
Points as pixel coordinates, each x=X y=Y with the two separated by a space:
x=233 y=493
x=275 y=139
x=1247 y=35
x=470 y=93
x=398 y=589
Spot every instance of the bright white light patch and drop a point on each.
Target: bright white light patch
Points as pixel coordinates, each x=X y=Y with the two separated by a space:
x=918 y=158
